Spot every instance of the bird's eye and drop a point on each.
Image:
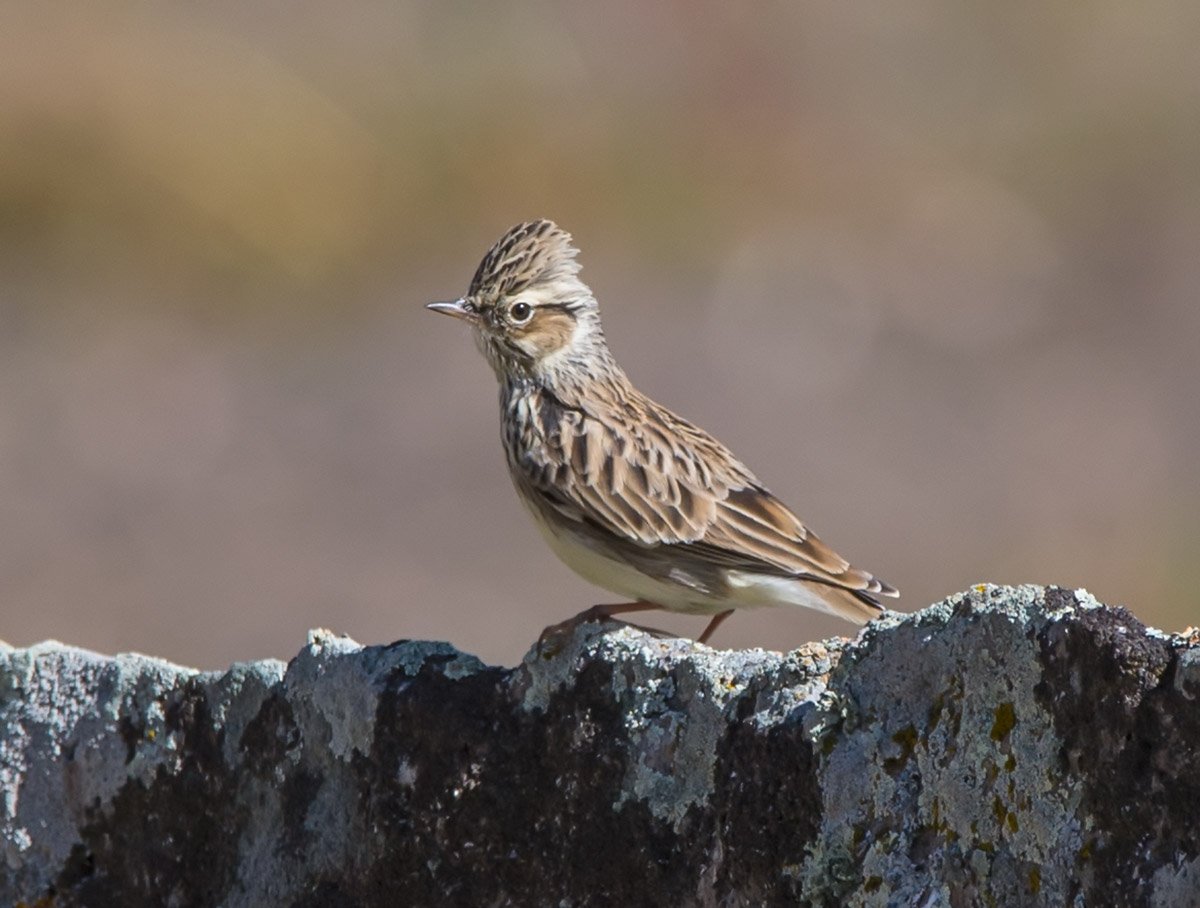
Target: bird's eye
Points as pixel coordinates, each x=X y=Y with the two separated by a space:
x=520 y=312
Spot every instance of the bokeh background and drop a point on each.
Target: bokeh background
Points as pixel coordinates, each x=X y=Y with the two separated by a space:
x=931 y=269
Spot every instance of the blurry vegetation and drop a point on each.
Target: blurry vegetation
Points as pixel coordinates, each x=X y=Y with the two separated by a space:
x=933 y=270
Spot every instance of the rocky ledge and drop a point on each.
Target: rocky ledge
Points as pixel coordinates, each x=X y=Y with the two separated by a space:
x=1009 y=746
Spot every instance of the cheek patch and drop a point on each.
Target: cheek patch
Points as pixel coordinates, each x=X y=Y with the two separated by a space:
x=549 y=331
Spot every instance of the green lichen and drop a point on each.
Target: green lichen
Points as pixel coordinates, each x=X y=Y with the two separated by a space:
x=935 y=711
x=1006 y=719
x=907 y=739
x=857 y=836
x=1005 y=817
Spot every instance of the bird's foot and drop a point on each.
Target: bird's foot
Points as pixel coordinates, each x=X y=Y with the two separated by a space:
x=554 y=638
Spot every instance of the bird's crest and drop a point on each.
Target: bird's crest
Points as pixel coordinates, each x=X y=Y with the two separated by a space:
x=536 y=252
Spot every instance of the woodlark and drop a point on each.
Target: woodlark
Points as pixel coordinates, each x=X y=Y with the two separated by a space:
x=629 y=495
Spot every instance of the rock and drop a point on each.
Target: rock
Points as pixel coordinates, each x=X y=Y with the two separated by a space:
x=1009 y=746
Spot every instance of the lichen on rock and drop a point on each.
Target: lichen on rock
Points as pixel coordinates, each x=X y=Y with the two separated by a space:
x=1007 y=746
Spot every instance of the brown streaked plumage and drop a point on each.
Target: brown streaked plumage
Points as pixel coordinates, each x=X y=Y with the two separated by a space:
x=629 y=495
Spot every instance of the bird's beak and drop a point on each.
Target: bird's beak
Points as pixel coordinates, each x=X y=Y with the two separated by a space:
x=458 y=308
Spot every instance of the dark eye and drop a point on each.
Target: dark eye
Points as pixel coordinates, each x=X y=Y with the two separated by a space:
x=520 y=312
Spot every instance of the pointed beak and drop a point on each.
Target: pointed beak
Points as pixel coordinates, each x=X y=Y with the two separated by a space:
x=460 y=308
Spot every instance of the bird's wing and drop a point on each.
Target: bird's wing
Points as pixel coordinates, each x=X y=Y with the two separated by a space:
x=658 y=480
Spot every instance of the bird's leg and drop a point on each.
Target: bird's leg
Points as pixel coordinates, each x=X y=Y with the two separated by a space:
x=713 y=625
x=556 y=633
x=601 y=612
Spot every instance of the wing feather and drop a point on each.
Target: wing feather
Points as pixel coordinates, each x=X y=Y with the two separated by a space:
x=661 y=481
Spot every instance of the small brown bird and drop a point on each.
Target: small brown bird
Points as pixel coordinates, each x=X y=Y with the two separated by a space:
x=626 y=493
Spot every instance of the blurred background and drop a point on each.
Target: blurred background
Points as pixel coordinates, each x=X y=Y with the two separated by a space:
x=931 y=269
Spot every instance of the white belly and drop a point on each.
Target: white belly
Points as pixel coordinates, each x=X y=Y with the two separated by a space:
x=745 y=589
x=623 y=579
x=620 y=578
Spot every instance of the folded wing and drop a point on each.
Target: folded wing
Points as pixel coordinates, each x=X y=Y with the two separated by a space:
x=661 y=481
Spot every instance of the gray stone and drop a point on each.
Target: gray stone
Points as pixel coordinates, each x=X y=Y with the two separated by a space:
x=1009 y=746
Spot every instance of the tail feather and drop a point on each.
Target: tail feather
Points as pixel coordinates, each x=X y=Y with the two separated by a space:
x=853 y=605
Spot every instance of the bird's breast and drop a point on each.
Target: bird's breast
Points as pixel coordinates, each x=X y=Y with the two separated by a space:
x=534 y=425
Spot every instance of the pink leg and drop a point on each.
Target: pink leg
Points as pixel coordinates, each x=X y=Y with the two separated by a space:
x=556 y=633
x=713 y=625
x=600 y=612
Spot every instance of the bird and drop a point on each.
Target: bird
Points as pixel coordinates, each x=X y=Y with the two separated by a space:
x=629 y=495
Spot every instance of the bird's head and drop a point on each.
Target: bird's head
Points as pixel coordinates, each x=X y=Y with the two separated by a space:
x=533 y=318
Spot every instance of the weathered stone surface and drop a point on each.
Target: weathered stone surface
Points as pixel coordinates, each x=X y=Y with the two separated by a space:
x=1008 y=747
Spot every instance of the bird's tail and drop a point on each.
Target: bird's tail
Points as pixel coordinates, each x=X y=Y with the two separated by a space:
x=854 y=606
